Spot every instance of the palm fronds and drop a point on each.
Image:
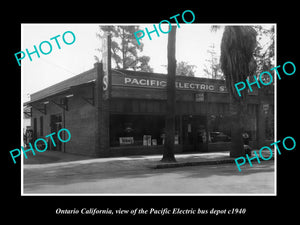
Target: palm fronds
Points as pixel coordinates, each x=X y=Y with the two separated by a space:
x=237 y=61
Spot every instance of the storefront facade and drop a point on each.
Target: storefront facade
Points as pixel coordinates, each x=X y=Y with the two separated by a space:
x=124 y=113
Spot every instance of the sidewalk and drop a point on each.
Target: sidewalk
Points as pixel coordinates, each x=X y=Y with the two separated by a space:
x=53 y=159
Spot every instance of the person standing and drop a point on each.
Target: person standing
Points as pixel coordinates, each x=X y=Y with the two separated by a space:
x=247 y=148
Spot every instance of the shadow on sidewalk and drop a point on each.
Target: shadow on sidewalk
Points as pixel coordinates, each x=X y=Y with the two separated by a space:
x=50 y=156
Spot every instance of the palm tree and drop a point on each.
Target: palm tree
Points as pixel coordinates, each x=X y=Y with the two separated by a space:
x=168 y=154
x=237 y=62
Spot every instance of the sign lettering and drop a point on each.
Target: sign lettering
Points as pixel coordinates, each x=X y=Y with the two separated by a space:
x=142 y=82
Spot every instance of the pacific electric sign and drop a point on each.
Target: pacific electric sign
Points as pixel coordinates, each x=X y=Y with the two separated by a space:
x=154 y=82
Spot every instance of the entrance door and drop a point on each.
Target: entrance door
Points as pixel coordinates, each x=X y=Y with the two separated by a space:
x=55 y=126
x=194 y=135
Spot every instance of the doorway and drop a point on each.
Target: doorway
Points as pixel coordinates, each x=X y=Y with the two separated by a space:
x=194 y=133
x=55 y=126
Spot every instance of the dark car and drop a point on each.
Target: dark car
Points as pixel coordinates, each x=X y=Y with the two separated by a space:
x=219 y=136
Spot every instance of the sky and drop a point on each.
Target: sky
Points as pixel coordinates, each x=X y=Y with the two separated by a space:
x=192 y=43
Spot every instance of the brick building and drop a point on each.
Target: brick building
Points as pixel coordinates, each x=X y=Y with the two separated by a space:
x=123 y=114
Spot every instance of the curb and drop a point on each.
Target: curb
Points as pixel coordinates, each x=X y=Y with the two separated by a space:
x=199 y=163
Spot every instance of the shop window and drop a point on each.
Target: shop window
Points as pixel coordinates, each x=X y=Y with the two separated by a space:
x=138 y=130
x=219 y=122
x=219 y=128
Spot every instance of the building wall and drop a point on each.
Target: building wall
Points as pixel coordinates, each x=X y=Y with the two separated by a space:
x=88 y=124
x=79 y=119
x=36 y=114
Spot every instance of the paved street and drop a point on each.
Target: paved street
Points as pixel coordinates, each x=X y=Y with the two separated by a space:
x=134 y=175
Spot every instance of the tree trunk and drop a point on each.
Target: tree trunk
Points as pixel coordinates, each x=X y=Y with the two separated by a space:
x=237 y=124
x=168 y=155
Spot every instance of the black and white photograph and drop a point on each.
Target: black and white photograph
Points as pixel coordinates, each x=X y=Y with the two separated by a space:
x=124 y=112
x=149 y=109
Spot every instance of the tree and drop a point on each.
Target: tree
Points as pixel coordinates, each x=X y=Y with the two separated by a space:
x=237 y=62
x=168 y=154
x=125 y=50
x=212 y=68
x=184 y=69
x=265 y=58
x=264 y=52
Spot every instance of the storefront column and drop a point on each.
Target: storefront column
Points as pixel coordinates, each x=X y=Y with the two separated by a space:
x=181 y=133
x=206 y=147
x=261 y=119
x=102 y=115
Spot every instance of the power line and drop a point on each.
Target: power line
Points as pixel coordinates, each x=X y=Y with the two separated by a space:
x=61 y=67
